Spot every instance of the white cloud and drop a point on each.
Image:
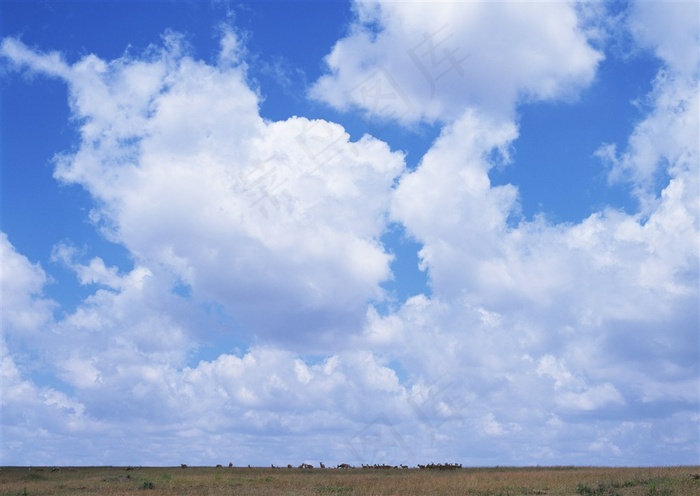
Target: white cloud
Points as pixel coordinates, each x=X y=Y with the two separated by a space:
x=611 y=265
x=34 y=416
x=232 y=50
x=276 y=221
x=665 y=142
x=536 y=338
x=612 y=297
x=23 y=308
x=671 y=29
x=574 y=393
x=413 y=61
x=22 y=56
x=96 y=272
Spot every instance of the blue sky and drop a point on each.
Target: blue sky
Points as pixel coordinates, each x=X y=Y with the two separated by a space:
x=354 y=232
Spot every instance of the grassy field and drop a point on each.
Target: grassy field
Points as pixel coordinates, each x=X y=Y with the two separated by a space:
x=554 y=481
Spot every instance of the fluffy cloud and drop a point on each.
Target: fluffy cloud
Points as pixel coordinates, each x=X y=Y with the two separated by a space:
x=34 y=415
x=587 y=314
x=124 y=354
x=23 y=307
x=276 y=221
x=538 y=343
x=671 y=31
x=30 y=413
x=413 y=61
x=665 y=142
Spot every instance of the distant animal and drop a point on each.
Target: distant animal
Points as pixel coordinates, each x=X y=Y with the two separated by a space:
x=219 y=466
x=345 y=466
x=230 y=464
x=321 y=465
x=183 y=465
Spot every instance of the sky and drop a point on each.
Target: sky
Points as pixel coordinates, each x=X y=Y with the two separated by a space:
x=350 y=232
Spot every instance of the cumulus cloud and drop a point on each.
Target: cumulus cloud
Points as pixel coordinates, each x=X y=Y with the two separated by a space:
x=538 y=342
x=276 y=221
x=665 y=142
x=23 y=308
x=671 y=30
x=589 y=306
x=411 y=61
x=34 y=414
x=124 y=355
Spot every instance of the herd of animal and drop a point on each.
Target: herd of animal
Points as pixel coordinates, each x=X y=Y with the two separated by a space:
x=347 y=466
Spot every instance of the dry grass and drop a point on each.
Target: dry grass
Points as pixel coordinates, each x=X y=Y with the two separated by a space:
x=554 y=481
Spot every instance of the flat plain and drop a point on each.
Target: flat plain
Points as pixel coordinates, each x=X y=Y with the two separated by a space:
x=496 y=481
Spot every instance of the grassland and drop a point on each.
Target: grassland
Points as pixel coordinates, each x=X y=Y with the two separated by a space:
x=553 y=481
